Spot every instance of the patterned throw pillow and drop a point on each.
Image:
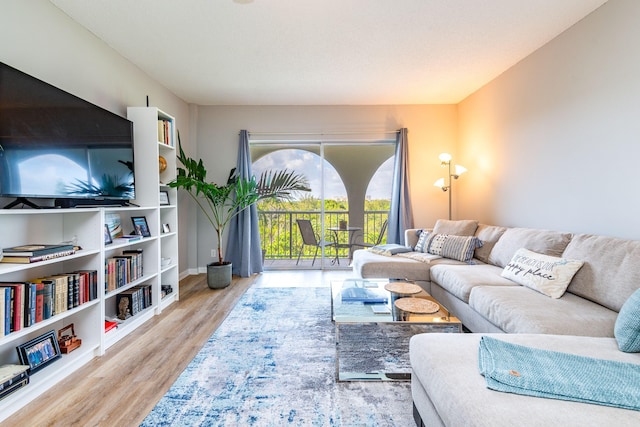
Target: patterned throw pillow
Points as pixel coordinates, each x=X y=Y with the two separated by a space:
x=460 y=248
x=421 y=241
x=546 y=274
x=627 y=327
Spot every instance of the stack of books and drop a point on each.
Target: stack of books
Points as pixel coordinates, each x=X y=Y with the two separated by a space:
x=12 y=377
x=33 y=253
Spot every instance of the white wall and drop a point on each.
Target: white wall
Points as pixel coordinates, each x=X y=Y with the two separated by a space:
x=39 y=39
x=432 y=129
x=555 y=141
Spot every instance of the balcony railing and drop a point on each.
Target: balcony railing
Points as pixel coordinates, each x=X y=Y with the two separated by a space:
x=281 y=237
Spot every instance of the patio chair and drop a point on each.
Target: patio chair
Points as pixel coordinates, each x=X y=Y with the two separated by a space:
x=309 y=239
x=383 y=230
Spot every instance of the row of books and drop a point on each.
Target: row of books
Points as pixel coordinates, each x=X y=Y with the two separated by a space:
x=123 y=269
x=34 y=253
x=22 y=304
x=165 y=131
x=133 y=301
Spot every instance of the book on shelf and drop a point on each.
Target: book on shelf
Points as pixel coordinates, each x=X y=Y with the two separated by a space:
x=90 y=284
x=133 y=301
x=35 y=250
x=165 y=131
x=22 y=304
x=12 y=377
x=11 y=259
x=132 y=237
x=17 y=304
x=109 y=325
x=13 y=387
x=5 y=310
x=10 y=374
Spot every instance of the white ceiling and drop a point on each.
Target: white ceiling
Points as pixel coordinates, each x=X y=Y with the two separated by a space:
x=325 y=52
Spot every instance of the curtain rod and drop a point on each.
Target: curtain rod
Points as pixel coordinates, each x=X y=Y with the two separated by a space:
x=326 y=133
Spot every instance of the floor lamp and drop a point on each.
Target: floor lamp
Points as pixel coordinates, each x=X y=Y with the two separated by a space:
x=445 y=162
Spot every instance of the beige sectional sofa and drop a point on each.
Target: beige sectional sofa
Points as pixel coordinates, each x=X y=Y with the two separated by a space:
x=581 y=320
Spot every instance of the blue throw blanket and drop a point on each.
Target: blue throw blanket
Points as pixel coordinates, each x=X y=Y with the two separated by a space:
x=518 y=369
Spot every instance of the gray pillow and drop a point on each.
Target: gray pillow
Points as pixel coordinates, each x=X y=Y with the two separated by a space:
x=465 y=227
x=489 y=234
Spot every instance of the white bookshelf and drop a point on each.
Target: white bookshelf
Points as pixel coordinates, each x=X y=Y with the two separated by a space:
x=85 y=228
x=149 y=146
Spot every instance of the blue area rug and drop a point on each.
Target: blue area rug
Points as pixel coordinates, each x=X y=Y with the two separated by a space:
x=272 y=363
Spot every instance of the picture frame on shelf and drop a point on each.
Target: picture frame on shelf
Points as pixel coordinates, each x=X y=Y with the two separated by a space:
x=40 y=351
x=140 y=226
x=107 y=235
x=114 y=224
x=164 y=198
x=166 y=228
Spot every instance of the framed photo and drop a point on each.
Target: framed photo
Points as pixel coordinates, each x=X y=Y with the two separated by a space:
x=140 y=226
x=166 y=228
x=114 y=224
x=164 y=198
x=107 y=235
x=40 y=351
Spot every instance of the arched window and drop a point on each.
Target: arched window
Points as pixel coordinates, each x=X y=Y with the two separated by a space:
x=279 y=233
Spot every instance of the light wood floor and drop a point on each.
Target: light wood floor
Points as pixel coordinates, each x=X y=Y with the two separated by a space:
x=121 y=387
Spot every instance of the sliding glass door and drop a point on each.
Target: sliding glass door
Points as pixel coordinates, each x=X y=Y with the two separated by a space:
x=339 y=175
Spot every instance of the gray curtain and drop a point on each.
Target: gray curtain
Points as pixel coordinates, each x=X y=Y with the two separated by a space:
x=400 y=216
x=243 y=246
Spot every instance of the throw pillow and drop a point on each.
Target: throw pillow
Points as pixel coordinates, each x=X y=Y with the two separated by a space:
x=627 y=327
x=460 y=248
x=489 y=235
x=465 y=227
x=546 y=274
x=421 y=241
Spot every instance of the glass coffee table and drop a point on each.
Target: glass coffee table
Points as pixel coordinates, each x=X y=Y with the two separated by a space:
x=372 y=333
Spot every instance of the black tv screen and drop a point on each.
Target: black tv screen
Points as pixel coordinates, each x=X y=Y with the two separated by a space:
x=55 y=145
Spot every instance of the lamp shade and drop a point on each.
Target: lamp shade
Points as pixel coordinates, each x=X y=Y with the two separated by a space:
x=460 y=170
x=445 y=157
x=439 y=183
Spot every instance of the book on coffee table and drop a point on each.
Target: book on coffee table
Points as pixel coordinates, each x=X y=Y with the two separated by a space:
x=365 y=295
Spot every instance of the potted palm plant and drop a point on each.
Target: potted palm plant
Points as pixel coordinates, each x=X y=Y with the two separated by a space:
x=221 y=203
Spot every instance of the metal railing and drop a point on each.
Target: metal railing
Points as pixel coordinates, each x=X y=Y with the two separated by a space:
x=281 y=238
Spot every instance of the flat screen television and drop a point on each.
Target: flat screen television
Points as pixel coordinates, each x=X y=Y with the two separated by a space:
x=54 y=145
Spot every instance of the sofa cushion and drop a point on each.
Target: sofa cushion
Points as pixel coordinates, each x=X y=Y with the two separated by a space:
x=611 y=272
x=446 y=366
x=465 y=227
x=489 y=235
x=460 y=248
x=627 y=327
x=546 y=274
x=545 y=242
x=519 y=310
x=366 y=264
x=460 y=279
